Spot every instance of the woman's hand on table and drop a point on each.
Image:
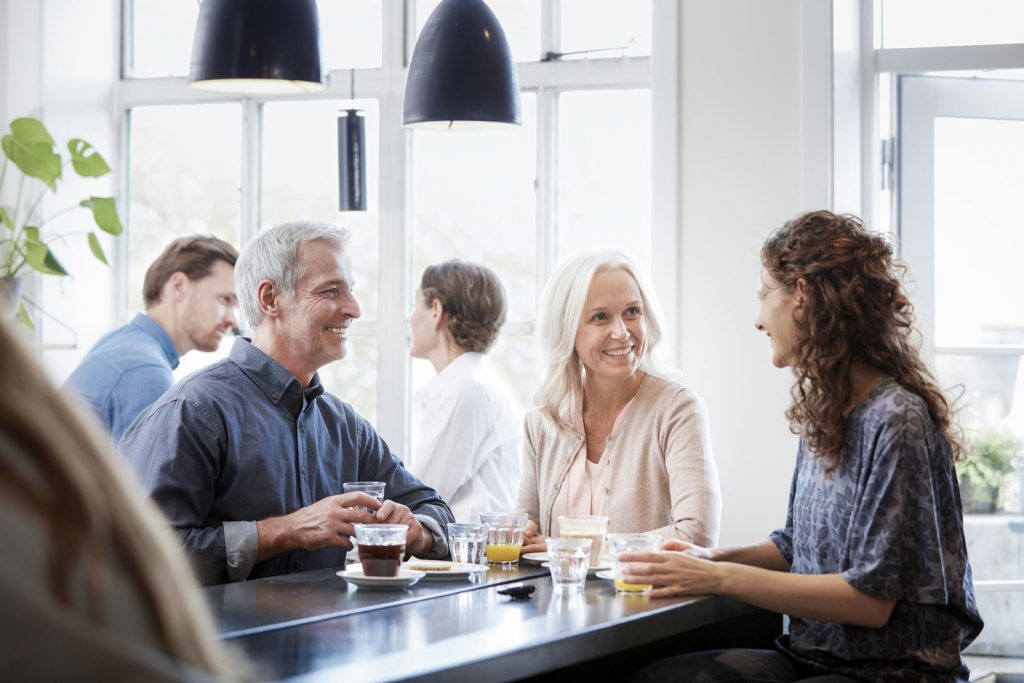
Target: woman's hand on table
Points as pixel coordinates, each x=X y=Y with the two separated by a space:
x=673 y=572
x=674 y=544
x=533 y=541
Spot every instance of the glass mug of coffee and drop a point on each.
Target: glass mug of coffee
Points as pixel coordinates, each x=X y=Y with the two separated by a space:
x=504 y=537
x=381 y=548
x=630 y=543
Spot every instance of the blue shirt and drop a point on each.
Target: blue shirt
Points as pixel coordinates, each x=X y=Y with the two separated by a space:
x=126 y=371
x=241 y=441
x=889 y=521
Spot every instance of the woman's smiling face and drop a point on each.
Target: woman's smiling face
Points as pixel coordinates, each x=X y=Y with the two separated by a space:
x=610 y=338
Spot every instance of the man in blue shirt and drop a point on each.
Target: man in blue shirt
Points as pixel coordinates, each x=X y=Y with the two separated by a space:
x=189 y=292
x=247 y=457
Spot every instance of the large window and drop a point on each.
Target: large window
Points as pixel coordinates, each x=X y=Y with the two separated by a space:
x=576 y=175
x=956 y=110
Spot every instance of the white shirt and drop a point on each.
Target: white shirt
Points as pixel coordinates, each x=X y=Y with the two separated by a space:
x=469 y=436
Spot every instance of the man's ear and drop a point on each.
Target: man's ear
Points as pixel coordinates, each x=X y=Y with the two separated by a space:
x=175 y=288
x=268 y=297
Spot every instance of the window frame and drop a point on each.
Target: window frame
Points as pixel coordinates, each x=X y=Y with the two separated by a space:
x=658 y=73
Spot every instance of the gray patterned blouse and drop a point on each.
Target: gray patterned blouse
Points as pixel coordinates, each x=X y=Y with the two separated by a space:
x=889 y=521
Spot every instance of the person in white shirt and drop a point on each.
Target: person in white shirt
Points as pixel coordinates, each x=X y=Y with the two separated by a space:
x=469 y=434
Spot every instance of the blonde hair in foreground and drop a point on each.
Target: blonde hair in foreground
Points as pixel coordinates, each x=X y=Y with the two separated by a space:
x=95 y=514
x=561 y=389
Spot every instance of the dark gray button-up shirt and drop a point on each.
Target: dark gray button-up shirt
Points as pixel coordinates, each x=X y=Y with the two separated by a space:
x=241 y=441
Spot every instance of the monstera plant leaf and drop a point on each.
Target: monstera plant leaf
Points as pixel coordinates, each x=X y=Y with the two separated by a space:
x=86 y=161
x=97 y=250
x=39 y=255
x=104 y=212
x=30 y=147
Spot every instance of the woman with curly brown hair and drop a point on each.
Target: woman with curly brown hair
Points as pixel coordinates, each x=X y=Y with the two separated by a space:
x=467 y=446
x=871 y=565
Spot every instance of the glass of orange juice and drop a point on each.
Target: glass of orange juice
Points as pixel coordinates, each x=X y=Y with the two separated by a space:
x=630 y=543
x=504 y=537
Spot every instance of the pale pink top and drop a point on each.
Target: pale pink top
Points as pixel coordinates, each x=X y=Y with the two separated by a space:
x=583 y=490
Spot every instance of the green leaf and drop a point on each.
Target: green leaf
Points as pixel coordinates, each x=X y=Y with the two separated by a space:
x=30 y=131
x=42 y=259
x=104 y=212
x=85 y=164
x=97 y=250
x=30 y=147
x=32 y=234
x=6 y=219
x=24 y=317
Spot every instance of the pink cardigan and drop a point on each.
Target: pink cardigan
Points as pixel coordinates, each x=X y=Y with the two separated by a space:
x=662 y=475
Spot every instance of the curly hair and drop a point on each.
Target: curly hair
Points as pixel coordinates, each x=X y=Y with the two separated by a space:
x=855 y=309
x=473 y=298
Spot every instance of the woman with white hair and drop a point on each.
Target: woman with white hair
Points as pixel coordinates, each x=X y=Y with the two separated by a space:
x=614 y=434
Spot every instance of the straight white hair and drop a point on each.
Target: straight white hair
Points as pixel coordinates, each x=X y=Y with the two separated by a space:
x=560 y=395
x=271 y=256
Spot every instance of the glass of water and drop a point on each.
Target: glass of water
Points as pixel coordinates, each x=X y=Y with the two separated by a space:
x=374 y=489
x=467 y=542
x=569 y=559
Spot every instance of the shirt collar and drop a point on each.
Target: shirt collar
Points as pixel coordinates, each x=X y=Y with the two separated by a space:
x=153 y=329
x=464 y=365
x=270 y=376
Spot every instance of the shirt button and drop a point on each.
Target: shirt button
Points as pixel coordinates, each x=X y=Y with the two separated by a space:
x=274 y=396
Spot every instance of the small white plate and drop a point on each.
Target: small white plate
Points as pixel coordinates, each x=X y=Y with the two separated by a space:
x=606 y=574
x=442 y=570
x=354 y=575
x=591 y=571
x=535 y=557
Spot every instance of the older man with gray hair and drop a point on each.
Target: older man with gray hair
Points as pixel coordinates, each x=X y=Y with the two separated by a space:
x=247 y=457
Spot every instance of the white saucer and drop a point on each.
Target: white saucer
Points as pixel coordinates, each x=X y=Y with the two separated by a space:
x=591 y=571
x=535 y=557
x=605 y=574
x=405 y=578
x=442 y=570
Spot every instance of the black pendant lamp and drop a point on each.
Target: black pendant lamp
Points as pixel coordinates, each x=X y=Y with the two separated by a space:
x=351 y=160
x=257 y=47
x=461 y=75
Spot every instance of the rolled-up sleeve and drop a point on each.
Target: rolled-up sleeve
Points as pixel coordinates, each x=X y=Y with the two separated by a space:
x=378 y=463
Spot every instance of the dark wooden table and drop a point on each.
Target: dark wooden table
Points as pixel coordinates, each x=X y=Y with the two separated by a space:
x=316 y=627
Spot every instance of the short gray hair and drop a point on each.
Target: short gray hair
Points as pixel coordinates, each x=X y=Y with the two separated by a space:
x=271 y=256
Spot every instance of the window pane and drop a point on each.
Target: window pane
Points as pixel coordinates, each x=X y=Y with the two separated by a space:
x=473 y=198
x=596 y=24
x=979 y=284
x=984 y=385
x=351 y=33
x=300 y=179
x=353 y=379
x=926 y=23
x=184 y=179
x=162 y=32
x=517 y=361
x=519 y=18
x=604 y=176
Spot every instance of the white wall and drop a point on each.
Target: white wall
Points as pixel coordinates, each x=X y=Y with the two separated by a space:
x=741 y=140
